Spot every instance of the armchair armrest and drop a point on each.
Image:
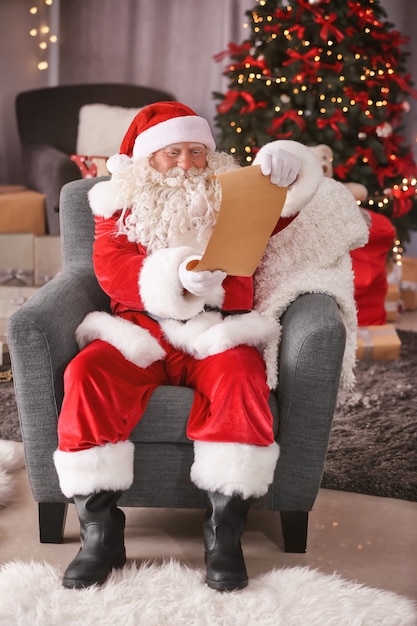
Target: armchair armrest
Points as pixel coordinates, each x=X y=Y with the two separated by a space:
x=311 y=354
x=41 y=343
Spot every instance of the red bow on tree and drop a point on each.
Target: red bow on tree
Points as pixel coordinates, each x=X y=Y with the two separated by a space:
x=307 y=57
x=233 y=50
x=279 y=121
x=232 y=96
x=402 y=200
x=333 y=122
x=327 y=27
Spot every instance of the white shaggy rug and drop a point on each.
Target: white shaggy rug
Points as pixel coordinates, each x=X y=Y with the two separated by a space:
x=11 y=459
x=174 y=595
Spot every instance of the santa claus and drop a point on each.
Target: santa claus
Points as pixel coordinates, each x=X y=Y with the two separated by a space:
x=173 y=326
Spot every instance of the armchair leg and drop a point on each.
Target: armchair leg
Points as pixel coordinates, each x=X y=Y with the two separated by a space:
x=294 y=530
x=52 y=516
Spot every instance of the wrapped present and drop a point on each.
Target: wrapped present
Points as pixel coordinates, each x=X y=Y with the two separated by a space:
x=409 y=283
x=21 y=210
x=393 y=302
x=47 y=258
x=369 y=265
x=4 y=352
x=378 y=342
x=91 y=166
x=11 y=298
x=16 y=259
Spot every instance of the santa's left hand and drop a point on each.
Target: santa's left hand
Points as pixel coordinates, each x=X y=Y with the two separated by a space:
x=281 y=166
x=199 y=283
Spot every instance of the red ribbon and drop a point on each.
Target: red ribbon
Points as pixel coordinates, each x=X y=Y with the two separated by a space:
x=337 y=118
x=233 y=50
x=327 y=27
x=402 y=203
x=253 y=62
x=366 y=16
x=232 y=96
x=298 y=30
x=307 y=57
x=279 y=121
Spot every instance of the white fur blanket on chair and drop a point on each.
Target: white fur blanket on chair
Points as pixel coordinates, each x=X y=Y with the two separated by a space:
x=11 y=460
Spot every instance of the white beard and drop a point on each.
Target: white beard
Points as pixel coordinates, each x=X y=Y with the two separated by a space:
x=174 y=209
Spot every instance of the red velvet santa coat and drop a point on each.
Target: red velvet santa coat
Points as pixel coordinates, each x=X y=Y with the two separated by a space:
x=143 y=287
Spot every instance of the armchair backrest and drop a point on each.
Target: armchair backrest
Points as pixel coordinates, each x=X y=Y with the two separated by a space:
x=77 y=225
x=50 y=115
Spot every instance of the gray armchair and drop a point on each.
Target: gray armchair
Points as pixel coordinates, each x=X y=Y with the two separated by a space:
x=41 y=342
x=47 y=121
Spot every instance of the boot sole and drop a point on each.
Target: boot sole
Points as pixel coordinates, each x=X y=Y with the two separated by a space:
x=228 y=585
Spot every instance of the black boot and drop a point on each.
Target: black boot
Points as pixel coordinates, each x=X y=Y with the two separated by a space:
x=223 y=528
x=102 y=540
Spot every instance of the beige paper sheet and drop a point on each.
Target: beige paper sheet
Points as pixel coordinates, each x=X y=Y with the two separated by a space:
x=251 y=206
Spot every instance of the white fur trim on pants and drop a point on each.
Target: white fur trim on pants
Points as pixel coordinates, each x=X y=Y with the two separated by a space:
x=102 y=468
x=135 y=343
x=234 y=468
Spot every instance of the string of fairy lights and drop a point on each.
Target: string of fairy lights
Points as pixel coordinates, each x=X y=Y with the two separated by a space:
x=41 y=31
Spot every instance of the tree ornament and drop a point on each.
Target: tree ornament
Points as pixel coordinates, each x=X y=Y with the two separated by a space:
x=384 y=130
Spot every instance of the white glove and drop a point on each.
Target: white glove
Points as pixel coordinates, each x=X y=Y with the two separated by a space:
x=199 y=283
x=281 y=166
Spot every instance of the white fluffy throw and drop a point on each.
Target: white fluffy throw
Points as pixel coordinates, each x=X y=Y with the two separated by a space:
x=11 y=459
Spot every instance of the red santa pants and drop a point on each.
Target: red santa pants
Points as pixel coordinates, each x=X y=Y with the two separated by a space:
x=106 y=395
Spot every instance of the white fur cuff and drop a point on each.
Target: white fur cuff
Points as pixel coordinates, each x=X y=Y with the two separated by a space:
x=234 y=468
x=159 y=275
x=309 y=177
x=102 y=468
x=135 y=343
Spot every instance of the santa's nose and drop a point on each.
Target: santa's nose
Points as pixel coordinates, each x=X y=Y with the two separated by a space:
x=184 y=160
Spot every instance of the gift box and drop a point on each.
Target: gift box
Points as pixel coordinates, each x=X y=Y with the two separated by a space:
x=4 y=351
x=91 y=166
x=47 y=258
x=377 y=342
x=369 y=265
x=393 y=302
x=21 y=210
x=16 y=259
x=408 y=283
x=11 y=298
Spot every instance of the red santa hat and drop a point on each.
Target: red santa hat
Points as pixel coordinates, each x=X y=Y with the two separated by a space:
x=162 y=124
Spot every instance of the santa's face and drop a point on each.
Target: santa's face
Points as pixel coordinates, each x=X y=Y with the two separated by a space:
x=176 y=207
x=185 y=155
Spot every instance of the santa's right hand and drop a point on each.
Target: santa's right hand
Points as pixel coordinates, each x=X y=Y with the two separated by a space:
x=199 y=283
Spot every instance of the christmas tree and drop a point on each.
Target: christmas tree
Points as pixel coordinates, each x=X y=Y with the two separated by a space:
x=332 y=72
